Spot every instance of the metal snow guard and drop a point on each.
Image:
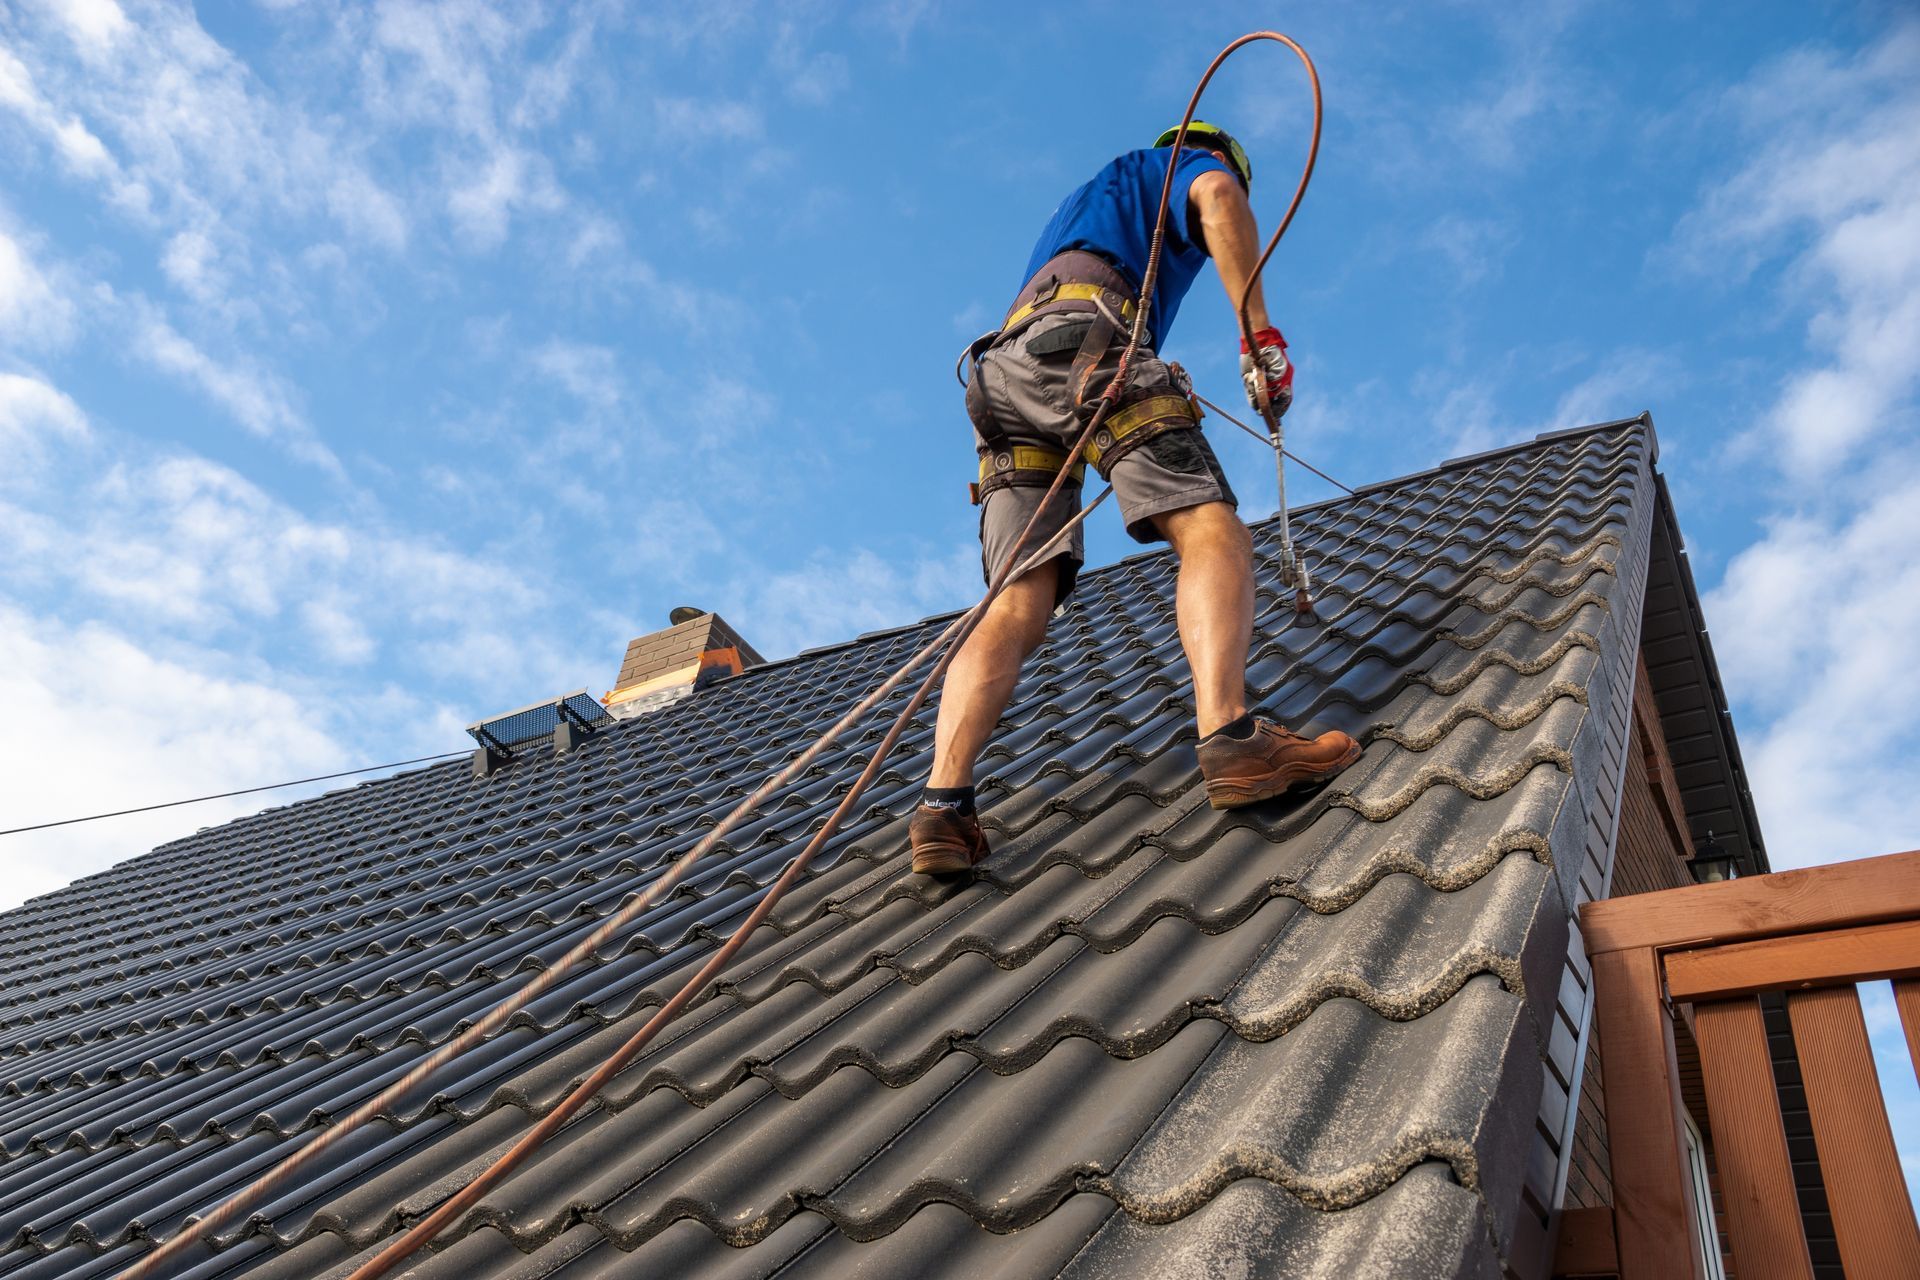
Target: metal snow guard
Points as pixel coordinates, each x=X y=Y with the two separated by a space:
x=516 y=728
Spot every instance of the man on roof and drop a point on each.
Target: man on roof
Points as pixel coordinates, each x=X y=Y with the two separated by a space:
x=1057 y=349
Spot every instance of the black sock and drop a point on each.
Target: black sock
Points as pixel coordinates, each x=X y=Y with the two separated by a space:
x=959 y=799
x=1240 y=729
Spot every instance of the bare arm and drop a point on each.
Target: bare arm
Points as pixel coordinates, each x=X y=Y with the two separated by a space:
x=1232 y=238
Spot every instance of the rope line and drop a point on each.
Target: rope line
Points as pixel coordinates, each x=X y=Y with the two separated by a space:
x=1268 y=441
x=225 y=1212
x=446 y=1212
x=244 y=791
x=946 y=645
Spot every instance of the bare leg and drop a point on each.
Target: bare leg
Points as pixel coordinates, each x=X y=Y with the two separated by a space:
x=1214 y=604
x=981 y=679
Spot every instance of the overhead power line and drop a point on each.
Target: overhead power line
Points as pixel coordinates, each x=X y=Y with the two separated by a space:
x=223 y=795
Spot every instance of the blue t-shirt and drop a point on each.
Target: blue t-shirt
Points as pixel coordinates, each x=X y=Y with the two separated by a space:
x=1113 y=215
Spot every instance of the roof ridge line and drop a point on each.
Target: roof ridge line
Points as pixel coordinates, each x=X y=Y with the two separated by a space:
x=1644 y=418
x=1366 y=490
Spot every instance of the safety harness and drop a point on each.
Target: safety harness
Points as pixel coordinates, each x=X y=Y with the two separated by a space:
x=1074 y=281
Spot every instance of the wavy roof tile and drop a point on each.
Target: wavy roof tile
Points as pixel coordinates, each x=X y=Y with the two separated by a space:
x=1148 y=1037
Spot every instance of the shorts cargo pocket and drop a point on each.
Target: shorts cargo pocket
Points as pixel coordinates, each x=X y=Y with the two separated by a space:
x=1059 y=339
x=1180 y=450
x=1039 y=373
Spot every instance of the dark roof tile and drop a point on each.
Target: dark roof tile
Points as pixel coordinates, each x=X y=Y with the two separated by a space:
x=1147 y=1037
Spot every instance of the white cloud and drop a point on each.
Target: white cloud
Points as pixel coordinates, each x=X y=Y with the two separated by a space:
x=37 y=309
x=548 y=86
x=811 y=78
x=1510 y=112
x=257 y=399
x=125 y=726
x=439 y=62
x=1491 y=130
x=488 y=193
x=362 y=206
x=1814 y=624
x=341 y=636
x=33 y=310
x=1833 y=186
x=1496 y=114
x=1469 y=419
x=33 y=414
x=1630 y=380
x=830 y=599
x=598 y=238
x=466 y=70
x=175 y=545
x=1475 y=247
x=1814 y=628
x=701 y=119
x=95 y=25
x=588 y=372
x=83 y=153
x=180 y=131
x=189 y=261
x=179 y=631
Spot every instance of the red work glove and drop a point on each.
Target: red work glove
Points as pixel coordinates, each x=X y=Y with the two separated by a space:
x=1266 y=368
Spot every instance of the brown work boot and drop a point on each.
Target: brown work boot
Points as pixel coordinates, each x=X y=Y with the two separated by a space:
x=944 y=841
x=1241 y=771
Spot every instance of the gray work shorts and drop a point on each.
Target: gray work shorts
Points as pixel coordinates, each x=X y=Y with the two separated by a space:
x=1030 y=398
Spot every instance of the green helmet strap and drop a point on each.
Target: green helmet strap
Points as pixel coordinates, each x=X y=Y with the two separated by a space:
x=1211 y=137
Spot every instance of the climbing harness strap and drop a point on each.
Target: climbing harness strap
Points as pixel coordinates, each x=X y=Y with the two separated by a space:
x=1136 y=422
x=1076 y=281
x=1022 y=465
x=1139 y=419
x=1068 y=293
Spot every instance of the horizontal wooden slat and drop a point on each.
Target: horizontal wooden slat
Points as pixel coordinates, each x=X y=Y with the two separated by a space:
x=1872 y=1216
x=1837 y=895
x=1830 y=958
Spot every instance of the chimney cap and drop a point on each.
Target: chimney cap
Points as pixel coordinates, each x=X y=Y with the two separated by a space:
x=685 y=613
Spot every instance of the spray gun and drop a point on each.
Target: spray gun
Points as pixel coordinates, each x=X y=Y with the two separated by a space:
x=1293 y=569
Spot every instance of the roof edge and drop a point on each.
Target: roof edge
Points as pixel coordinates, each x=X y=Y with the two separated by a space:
x=1644 y=419
x=1737 y=782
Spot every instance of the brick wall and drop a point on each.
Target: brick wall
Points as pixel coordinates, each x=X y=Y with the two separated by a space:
x=664 y=651
x=1589 y=1175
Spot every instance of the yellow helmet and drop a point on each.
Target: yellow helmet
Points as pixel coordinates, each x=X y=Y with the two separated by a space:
x=1211 y=137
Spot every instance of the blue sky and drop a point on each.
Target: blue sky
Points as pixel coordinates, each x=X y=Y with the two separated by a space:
x=369 y=368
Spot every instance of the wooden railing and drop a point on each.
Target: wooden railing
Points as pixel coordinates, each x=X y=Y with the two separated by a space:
x=1704 y=954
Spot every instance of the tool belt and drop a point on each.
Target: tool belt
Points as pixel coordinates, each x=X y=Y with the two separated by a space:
x=1074 y=281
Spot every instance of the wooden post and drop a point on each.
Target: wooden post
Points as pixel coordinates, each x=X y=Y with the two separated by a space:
x=1756 y=1177
x=1907 y=995
x=1653 y=1212
x=1872 y=1216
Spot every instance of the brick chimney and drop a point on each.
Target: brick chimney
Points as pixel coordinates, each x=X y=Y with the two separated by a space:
x=665 y=666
